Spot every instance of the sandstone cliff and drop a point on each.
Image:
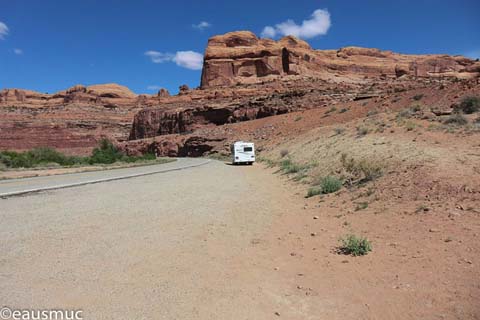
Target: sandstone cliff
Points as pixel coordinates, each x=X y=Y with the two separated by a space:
x=244 y=78
x=73 y=119
x=241 y=57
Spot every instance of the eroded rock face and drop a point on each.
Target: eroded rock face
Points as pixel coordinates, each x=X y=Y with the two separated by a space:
x=73 y=120
x=172 y=145
x=161 y=121
x=244 y=78
x=242 y=58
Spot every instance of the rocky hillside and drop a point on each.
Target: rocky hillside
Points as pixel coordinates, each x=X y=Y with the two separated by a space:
x=244 y=78
x=241 y=57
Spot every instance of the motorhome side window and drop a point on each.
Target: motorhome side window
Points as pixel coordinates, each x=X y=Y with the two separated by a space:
x=247 y=149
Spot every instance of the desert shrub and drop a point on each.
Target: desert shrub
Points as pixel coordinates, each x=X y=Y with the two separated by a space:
x=36 y=157
x=283 y=153
x=105 y=153
x=456 y=119
x=470 y=104
x=362 y=130
x=300 y=176
x=409 y=125
x=313 y=191
x=361 y=206
x=417 y=97
x=288 y=166
x=361 y=170
x=328 y=184
x=356 y=246
x=12 y=159
x=339 y=130
x=372 y=113
x=47 y=155
x=343 y=110
x=298 y=118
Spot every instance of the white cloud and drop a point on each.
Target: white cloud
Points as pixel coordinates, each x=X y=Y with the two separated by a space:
x=269 y=32
x=18 y=51
x=3 y=30
x=159 y=57
x=189 y=59
x=154 y=87
x=186 y=59
x=317 y=25
x=202 y=25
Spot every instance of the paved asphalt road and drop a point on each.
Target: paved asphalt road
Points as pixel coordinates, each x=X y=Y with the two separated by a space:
x=174 y=245
x=20 y=186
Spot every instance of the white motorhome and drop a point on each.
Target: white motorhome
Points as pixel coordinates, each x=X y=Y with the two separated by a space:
x=243 y=152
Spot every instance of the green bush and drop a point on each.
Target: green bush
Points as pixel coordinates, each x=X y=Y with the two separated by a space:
x=288 y=166
x=330 y=184
x=470 y=104
x=106 y=153
x=36 y=157
x=356 y=246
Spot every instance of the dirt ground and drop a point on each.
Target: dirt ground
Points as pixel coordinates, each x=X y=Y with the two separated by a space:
x=422 y=215
x=225 y=242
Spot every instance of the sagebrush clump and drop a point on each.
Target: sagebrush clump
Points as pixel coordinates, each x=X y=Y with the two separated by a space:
x=469 y=105
x=324 y=185
x=356 y=246
x=361 y=171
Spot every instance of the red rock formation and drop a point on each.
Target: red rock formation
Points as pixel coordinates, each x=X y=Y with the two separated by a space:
x=243 y=78
x=73 y=119
x=241 y=57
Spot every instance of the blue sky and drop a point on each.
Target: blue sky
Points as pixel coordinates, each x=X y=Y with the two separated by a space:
x=50 y=45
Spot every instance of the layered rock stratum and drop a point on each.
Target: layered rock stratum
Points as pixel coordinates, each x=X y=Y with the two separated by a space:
x=241 y=57
x=243 y=78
